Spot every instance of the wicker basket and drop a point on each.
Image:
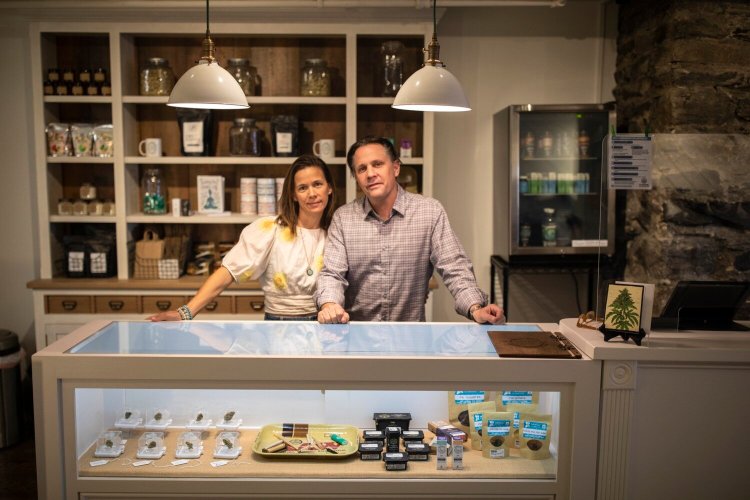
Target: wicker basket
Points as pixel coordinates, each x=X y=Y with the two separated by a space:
x=171 y=267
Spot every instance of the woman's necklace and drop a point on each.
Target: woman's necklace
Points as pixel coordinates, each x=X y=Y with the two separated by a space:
x=315 y=246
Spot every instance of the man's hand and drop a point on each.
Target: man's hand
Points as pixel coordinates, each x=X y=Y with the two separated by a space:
x=332 y=313
x=492 y=314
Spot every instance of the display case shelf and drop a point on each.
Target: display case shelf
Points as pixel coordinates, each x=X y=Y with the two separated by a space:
x=78 y=99
x=220 y=160
x=84 y=219
x=142 y=99
x=79 y=159
x=229 y=218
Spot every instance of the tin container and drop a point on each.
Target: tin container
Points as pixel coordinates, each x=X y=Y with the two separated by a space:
x=383 y=420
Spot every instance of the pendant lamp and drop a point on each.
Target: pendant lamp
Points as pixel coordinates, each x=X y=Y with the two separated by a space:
x=432 y=88
x=207 y=85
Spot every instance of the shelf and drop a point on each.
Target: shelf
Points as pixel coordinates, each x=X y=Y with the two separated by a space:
x=145 y=99
x=84 y=219
x=561 y=158
x=182 y=283
x=559 y=194
x=79 y=159
x=232 y=218
x=378 y=101
x=221 y=160
x=78 y=99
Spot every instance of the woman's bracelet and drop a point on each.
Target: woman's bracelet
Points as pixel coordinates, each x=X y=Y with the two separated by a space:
x=184 y=312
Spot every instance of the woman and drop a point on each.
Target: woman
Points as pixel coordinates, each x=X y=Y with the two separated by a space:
x=285 y=253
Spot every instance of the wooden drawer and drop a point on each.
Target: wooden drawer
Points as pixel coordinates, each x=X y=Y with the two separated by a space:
x=160 y=303
x=68 y=304
x=114 y=304
x=220 y=305
x=249 y=305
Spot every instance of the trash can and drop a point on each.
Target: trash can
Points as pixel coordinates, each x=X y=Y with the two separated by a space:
x=10 y=388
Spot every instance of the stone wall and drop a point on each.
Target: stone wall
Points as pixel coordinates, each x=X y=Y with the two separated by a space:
x=683 y=66
x=683 y=69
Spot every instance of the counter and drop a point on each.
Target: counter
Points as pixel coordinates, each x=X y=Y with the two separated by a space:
x=274 y=372
x=674 y=413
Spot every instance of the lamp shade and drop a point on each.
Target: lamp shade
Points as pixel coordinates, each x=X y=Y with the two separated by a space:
x=207 y=86
x=432 y=88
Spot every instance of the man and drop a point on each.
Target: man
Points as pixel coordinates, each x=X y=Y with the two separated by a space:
x=382 y=250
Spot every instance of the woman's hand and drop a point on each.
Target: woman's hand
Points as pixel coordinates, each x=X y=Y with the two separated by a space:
x=165 y=316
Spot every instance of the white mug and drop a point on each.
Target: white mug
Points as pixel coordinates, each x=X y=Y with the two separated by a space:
x=150 y=147
x=326 y=148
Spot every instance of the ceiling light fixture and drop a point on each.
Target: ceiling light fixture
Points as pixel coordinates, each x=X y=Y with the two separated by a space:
x=432 y=87
x=207 y=85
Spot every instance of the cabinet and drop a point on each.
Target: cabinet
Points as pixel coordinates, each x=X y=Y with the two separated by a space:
x=305 y=373
x=278 y=50
x=551 y=195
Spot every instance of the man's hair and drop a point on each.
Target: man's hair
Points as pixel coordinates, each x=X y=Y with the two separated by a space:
x=386 y=143
x=288 y=207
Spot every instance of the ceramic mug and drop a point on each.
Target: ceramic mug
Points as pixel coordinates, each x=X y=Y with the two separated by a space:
x=150 y=147
x=325 y=148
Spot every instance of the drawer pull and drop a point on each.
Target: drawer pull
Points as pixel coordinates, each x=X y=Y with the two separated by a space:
x=69 y=305
x=256 y=306
x=163 y=305
x=116 y=305
x=211 y=306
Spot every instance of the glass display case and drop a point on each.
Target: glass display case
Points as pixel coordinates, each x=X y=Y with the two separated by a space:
x=329 y=380
x=550 y=194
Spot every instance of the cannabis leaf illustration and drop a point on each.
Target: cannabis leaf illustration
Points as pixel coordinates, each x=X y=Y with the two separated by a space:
x=623 y=313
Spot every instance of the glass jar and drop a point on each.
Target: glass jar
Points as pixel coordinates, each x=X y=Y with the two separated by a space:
x=153 y=193
x=87 y=191
x=157 y=77
x=393 y=68
x=64 y=206
x=84 y=76
x=100 y=75
x=315 y=79
x=244 y=138
x=245 y=74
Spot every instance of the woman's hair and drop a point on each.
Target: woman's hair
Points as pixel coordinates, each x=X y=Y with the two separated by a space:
x=288 y=206
x=365 y=141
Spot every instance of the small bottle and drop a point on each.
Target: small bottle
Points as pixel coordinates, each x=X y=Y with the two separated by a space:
x=100 y=75
x=523 y=184
x=549 y=228
x=584 y=141
x=552 y=183
x=405 y=149
x=105 y=88
x=68 y=76
x=53 y=75
x=92 y=89
x=547 y=143
x=528 y=144
x=61 y=88
x=76 y=89
x=84 y=76
x=525 y=234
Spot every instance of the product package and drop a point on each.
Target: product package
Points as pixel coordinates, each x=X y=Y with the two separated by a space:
x=82 y=137
x=103 y=141
x=210 y=194
x=517 y=402
x=496 y=434
x=458 y=401
x=450 y=432
x=535 y=434
x=476 y=416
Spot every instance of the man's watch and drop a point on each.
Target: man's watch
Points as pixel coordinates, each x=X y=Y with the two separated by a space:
x=473 y=308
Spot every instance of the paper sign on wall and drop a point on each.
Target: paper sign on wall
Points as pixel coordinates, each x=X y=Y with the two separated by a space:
x=630 y=160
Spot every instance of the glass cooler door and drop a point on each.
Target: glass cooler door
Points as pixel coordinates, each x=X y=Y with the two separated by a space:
x=560 y=203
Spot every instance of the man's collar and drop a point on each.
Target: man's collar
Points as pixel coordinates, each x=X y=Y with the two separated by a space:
x=399 y=206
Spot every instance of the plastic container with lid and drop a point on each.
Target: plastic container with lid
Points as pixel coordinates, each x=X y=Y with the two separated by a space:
x=315 y=79
x=157 y=77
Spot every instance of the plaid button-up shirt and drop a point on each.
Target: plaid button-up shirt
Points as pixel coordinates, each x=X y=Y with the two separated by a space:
x=380 y=270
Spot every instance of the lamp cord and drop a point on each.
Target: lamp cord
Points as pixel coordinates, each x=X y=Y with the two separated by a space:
x=434 y=16
x=207 y=16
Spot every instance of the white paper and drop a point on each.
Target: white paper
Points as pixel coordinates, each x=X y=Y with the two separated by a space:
x=630 y=161
x=192 y=137
x=219 y=463
x=283 y=142
x=141 y=462
x=180 y=462
x=210 y=194
x=97 y=463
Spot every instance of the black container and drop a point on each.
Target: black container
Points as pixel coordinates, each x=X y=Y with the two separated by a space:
x=416 y=436
x=285 y=135
x=396 y=461
x=196 y=132
x=370 y=451
x=392 y=438
x=383 y=420
x=418 y=452
x=373 y=436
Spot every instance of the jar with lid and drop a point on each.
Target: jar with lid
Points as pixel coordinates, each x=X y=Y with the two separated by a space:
x=153 y=192
x=64 y=206
x=157 y=77
x=87 y=191
x=393 y=68
x=100 y=75
x=315 y=79
x=245 y=74
x=244 y=138
x=84 y=76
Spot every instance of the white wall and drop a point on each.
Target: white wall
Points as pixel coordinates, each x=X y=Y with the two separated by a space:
x=505 y=56
x=18 y=236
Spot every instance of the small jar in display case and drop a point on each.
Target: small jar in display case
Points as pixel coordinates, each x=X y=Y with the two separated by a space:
x=108 y=207
x=129 y=418
x=151 y=446
x=64 y=207
x=109 y=444
x=227 y=445
x=159 y=420
x=393 y=70
x=229 y=420
x=153 y=193
x=80 y=207
x=157 y=77
x=245 y=74
x=189 y=445
x=199 y=422
x=315 y=79
x=244 y=138
x=549 y=228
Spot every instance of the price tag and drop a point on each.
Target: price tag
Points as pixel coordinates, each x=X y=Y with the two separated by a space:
x=219 y=463
x=180 y=462
x=630 y=161
x=141 y=463
x=97 y=463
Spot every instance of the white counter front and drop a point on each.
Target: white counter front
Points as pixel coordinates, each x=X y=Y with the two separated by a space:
x=674 y=414
x=271 y=372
